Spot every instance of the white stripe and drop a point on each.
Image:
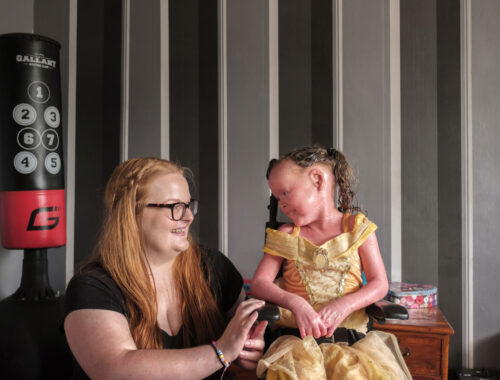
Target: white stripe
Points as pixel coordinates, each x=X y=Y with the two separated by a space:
x=125 y=78
x=223 y=170
x=467 y=189
x=338 y=75
x=274 y=140
x=395 y=103
x=164 y=81
x=71 y=138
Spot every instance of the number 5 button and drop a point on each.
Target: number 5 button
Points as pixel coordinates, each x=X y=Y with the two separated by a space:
x=52 y=117
x=53 y=163
x=24 y=114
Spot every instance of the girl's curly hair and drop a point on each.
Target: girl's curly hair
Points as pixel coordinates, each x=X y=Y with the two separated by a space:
x=344 y=176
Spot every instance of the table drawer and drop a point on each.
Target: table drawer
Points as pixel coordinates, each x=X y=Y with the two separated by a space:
x=422 y=353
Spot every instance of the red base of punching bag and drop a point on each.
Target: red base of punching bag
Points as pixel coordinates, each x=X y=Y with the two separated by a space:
x=33 y=219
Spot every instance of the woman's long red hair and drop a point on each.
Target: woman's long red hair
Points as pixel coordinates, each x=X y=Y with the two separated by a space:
x=120 y=251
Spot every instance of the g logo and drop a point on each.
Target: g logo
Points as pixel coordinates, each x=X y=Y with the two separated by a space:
x=51 y=226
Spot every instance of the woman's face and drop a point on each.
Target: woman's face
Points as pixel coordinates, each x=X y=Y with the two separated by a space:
x=165 y=238
x=295 y=191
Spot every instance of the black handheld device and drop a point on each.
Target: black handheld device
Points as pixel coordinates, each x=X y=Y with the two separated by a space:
x=269 y=312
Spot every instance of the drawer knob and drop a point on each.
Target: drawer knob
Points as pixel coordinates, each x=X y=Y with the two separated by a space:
x=406 y=352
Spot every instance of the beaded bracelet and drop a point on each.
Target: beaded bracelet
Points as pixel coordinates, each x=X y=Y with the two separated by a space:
x=220 y=355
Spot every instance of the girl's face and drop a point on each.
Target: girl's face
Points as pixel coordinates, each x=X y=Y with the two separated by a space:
x=165 y=238
x=298 y=197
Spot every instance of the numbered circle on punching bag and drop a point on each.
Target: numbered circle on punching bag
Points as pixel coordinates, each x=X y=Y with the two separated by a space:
x=50 y=140
x=28 y=138
x=24 y=114
x=52 y=117
x=25 y=162
x=39 y=92
x=53 y=163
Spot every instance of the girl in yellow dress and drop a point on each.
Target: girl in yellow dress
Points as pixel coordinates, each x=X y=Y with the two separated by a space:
x=323 y=253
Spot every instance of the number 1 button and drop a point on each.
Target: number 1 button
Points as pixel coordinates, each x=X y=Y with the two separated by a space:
x=39 y=92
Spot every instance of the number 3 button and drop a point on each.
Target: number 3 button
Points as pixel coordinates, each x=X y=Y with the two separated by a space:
x=52 y=117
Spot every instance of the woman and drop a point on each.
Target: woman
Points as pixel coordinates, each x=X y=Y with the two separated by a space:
x=151 y=303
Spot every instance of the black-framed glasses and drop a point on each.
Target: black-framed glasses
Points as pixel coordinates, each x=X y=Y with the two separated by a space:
x=178 y=209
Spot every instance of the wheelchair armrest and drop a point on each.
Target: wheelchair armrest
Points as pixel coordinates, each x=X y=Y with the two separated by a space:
x=270 y=312
x=383 y=309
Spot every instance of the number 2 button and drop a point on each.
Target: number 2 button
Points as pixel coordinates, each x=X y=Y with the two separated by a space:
x=24 y=114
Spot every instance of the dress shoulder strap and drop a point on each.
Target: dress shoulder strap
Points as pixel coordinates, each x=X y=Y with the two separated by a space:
x=345 y=222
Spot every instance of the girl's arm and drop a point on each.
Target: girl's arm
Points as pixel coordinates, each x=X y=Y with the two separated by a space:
x=263 y=286
x=375 y=289
x=103 y=346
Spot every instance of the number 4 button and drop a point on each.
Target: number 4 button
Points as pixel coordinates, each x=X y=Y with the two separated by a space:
x=25 y=162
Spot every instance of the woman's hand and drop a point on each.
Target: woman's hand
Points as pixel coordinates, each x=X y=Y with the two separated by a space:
x=237 y=331
x=253 y=347
x=333 y=314
x=308 y=321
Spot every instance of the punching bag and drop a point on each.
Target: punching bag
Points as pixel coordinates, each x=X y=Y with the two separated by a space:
x=32 y=205
x=32 y=199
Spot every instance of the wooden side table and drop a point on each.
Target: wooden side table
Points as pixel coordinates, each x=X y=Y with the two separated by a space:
x=424 y=342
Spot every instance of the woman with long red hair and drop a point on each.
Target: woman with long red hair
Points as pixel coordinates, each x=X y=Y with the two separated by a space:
x=150 y=303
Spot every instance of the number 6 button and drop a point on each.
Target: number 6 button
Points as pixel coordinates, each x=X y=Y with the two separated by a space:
x=28 y=138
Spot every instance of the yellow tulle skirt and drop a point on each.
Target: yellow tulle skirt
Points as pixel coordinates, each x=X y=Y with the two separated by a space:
x=377 y=356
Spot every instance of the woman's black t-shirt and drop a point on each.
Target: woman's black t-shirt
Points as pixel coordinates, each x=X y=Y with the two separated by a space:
x=95 y=289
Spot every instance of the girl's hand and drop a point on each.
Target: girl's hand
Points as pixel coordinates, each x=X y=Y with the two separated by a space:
x=253 y=347
x=308 y=321
x=237 y=331
x=333 y=314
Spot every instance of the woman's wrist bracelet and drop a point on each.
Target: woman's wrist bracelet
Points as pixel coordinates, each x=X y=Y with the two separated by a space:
x=220 y=355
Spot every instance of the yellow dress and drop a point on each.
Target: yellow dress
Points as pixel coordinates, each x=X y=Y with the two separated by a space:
x=321 y=274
